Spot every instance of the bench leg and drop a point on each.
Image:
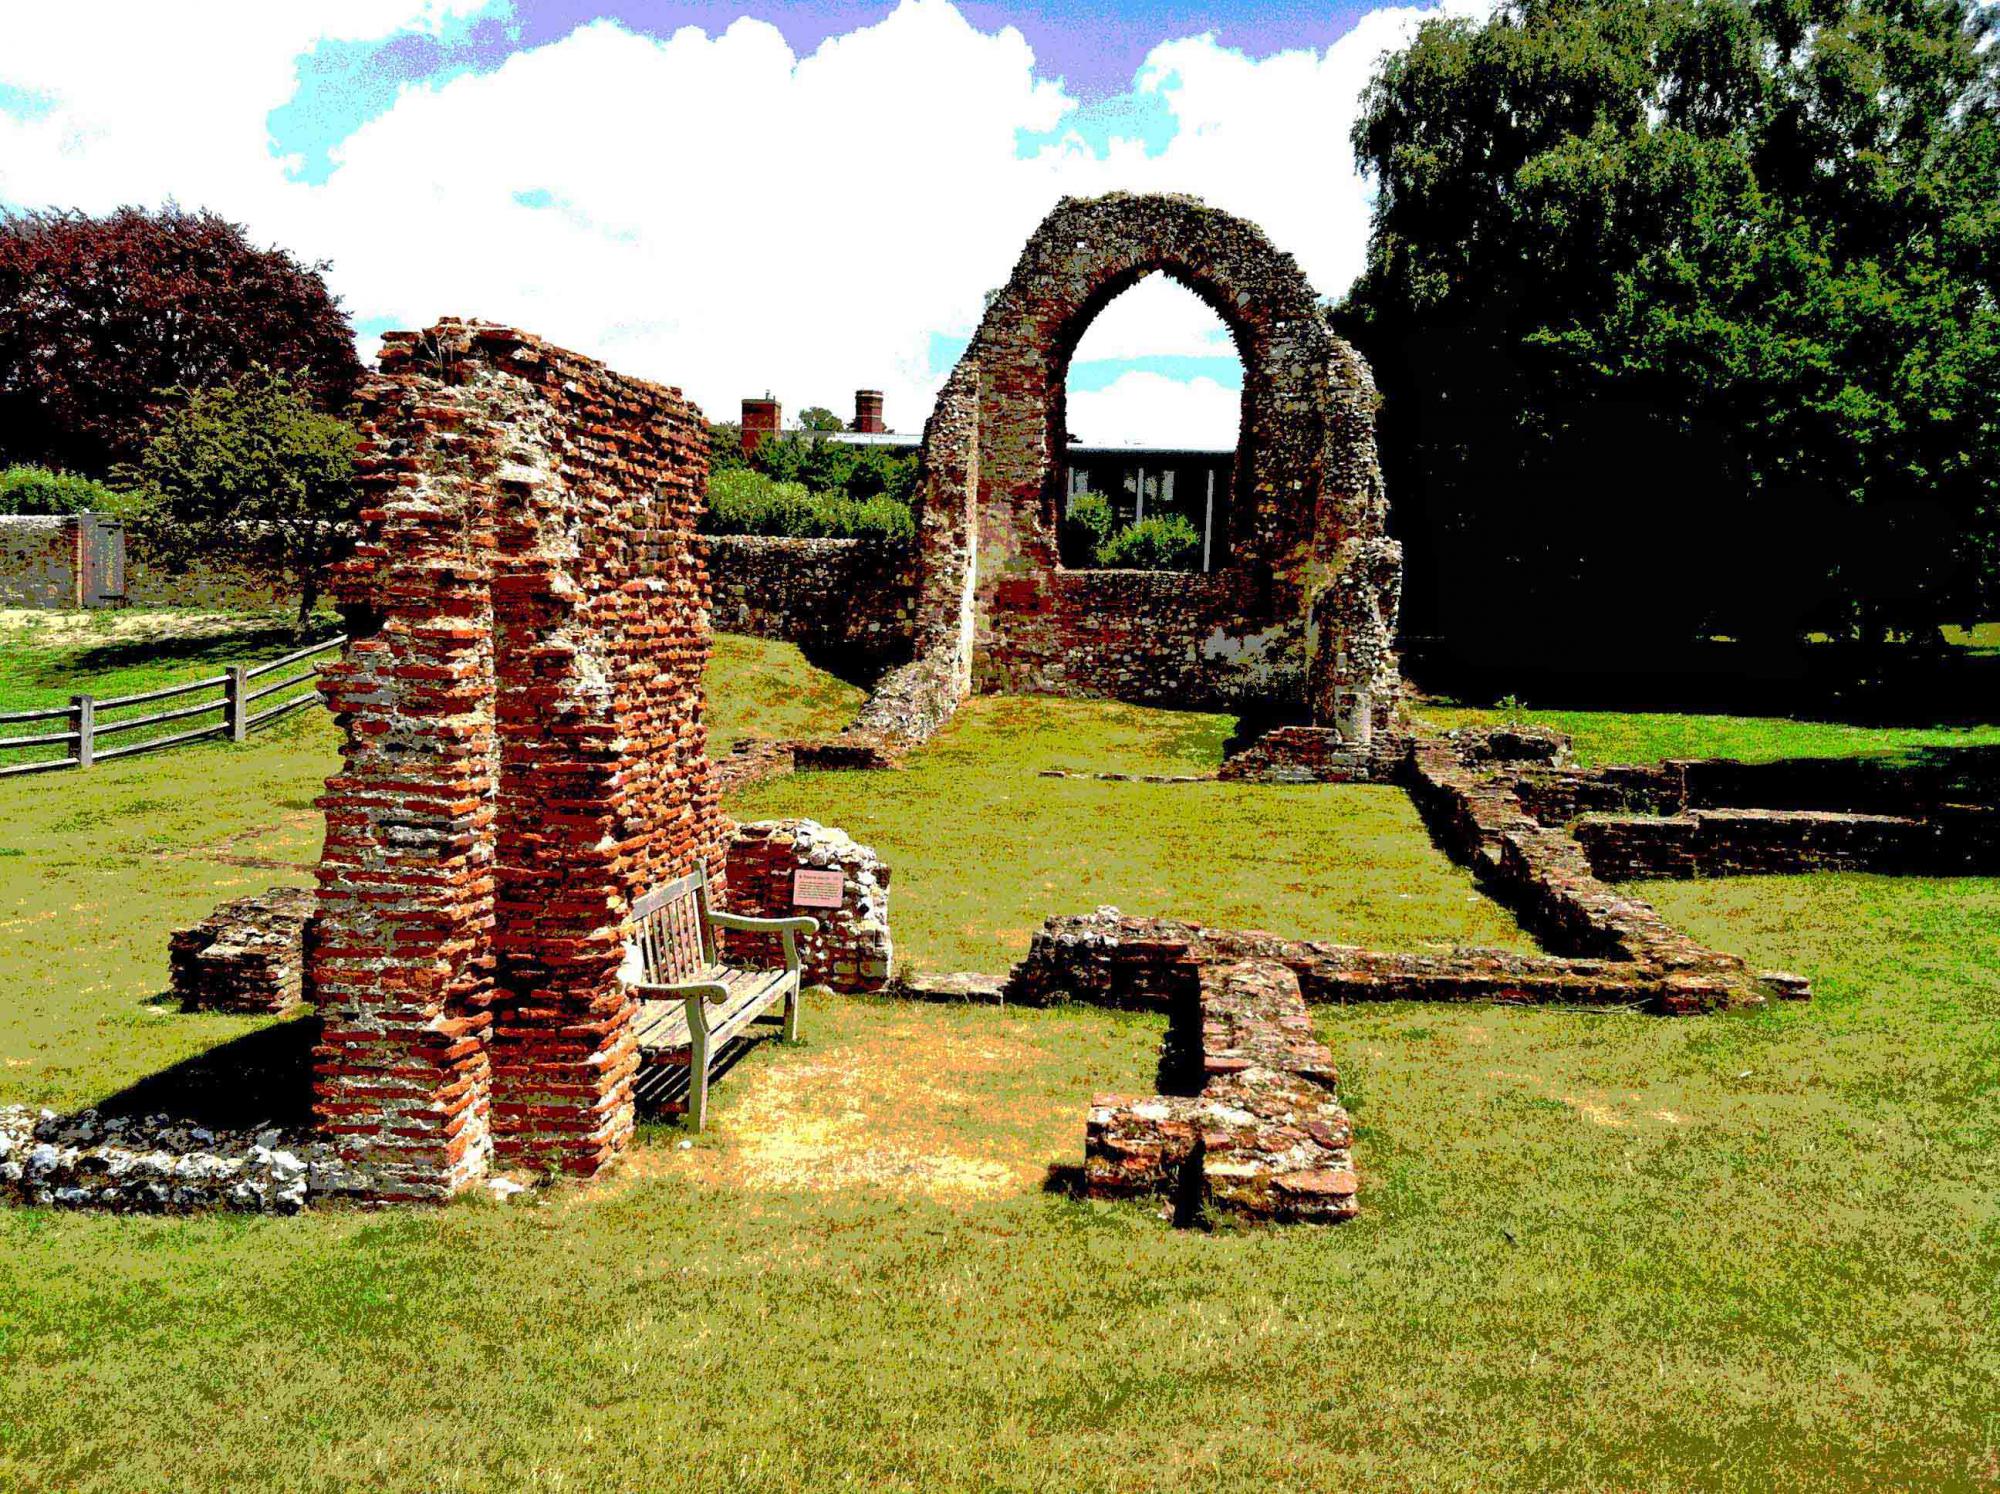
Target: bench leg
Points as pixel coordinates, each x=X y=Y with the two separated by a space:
x=798 y=986
x=698 y=1056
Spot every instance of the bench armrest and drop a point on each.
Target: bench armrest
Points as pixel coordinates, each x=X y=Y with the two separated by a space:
x=705 y=990
x=787 y=930
x=743 y=923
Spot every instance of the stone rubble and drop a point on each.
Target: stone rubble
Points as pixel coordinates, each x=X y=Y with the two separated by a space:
x=152 y=1164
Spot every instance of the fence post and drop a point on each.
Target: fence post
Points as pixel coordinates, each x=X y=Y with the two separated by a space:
x=238 y=694
x=83 y=721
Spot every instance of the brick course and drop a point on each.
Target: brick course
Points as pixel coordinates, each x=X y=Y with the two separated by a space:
x=524 y=755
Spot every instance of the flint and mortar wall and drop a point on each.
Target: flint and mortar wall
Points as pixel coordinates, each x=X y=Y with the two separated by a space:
x=846 y=598
x=1301 y=611
x=525 y=755
x=851 y=951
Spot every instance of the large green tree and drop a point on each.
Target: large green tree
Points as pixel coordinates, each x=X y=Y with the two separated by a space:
x=1687 y=315
x=250 y=469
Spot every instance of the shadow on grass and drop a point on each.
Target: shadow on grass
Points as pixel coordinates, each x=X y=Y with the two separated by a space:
x=263 y=1078
x=246 y=645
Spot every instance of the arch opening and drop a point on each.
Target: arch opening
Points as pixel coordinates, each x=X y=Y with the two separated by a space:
x=1148 y=403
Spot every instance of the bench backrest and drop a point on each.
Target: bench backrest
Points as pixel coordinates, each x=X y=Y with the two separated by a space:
x=671 y=932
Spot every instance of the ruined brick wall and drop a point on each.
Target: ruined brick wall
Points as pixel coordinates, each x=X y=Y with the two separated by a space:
x=845 y=600
x=525 y=755
x=1308 y=516
x=851 y=951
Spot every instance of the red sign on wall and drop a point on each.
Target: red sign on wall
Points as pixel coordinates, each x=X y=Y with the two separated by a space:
x=818 y=889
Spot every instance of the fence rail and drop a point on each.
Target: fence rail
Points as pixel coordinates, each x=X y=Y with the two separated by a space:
x=82 y=729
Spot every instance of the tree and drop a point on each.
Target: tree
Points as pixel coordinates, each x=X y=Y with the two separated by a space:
x=820 y=418
x=98 y=315
x=1686 y=314
x=251 y=469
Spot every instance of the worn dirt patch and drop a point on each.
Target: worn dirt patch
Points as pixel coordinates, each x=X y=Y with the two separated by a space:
x=955 y=1116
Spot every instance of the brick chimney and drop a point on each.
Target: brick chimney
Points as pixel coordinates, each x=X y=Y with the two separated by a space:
x=761 y=418
x=868 y=412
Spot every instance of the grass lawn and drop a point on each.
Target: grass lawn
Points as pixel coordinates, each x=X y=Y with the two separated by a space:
x=1651 y=737
x=983 y=849
x=1602 y=1250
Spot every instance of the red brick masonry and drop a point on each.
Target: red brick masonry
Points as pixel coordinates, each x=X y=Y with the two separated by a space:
x=524 y=755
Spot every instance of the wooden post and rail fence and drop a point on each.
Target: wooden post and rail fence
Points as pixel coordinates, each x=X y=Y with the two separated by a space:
x=242 y=687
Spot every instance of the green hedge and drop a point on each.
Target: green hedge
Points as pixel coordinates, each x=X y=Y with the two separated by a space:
x=36 y=490
x=1162 y=543
x=742 y=500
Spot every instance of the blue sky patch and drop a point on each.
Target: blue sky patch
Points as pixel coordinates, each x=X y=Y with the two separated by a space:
x=1101 y=373
x=24 y=103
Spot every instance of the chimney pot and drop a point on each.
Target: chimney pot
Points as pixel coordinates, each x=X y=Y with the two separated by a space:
x=761 y=418
x=868 y=412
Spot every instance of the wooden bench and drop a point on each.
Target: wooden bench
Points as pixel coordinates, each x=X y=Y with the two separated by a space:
x=690 y=1002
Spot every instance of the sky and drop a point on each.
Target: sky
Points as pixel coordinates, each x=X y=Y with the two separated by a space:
x=729 y=196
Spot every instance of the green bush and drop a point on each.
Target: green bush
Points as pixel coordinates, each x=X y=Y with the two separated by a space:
x=36 y=490
x=1085 y=529
x=1168 y=543
x=742 y=500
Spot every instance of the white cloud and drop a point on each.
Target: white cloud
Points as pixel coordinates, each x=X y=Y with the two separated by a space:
x=1157 y=317
x=722 y=214
x=1149 y=409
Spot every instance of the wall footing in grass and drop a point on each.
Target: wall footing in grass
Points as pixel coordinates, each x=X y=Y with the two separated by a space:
x=1248 y=1124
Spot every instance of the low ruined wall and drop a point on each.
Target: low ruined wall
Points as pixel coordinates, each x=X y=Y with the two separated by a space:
x=1750 y=842
x=846 y=596
x=38 y=561
x=1156 y=964
x=851 y=951
x=1249 y=1124
x=246 y=956
x=1465 y=788
x=1312 y=754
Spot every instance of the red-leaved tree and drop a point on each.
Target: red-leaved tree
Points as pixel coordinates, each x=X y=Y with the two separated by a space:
x=99 y=315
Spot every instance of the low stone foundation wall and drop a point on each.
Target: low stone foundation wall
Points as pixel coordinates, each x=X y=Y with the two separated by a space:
x=151 y=1165
x=851 y=951
x=1748 y=842
x=1466 y=793
x=246 y=956
x=1152 y=964
x=1250 y=1124
x=1311 y=754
